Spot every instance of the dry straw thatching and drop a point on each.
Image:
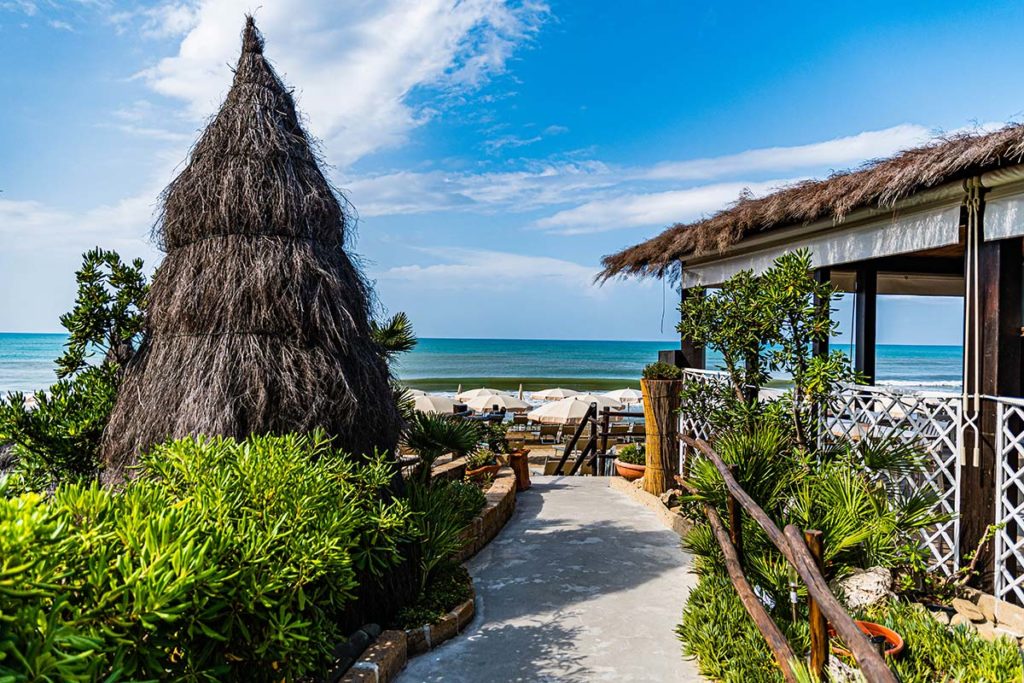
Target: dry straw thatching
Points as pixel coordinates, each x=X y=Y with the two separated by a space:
x=258 y=321
x=878 y=184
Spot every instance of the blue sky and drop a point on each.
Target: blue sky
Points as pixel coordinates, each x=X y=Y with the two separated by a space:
x=494 y=150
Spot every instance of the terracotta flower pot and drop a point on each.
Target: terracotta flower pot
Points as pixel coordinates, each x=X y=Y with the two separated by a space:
x=481 y=472
x=629 y=471
x=893 y=641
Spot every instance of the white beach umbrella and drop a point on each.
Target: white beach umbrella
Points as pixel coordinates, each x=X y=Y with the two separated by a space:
x=601 y=400
x=565 y=411
x=482 y=391
x=556 y=394
x=434 y=404
x=483 y=404
x=625 y=396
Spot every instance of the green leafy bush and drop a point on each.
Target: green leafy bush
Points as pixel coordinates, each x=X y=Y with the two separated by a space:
x=632 y=453
x=225 y=560
x=661 y=370
x=718 y=632
x=441 y=512
x=58 y=439
x=450 y=587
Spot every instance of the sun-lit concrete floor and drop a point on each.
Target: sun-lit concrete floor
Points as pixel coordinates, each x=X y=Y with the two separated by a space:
x=583 y=584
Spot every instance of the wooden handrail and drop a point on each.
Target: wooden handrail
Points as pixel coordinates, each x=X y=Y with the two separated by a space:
x=793 y=547
x=772 y=634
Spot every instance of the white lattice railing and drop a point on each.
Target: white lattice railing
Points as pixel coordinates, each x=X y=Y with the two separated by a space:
x=1009 y=539
x=931 y=420
x=696 y=426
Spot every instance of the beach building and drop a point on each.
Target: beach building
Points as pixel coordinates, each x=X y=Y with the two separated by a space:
x=946 y=218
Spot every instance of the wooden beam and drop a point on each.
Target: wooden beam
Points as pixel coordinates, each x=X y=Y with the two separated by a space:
x=865 y=333
x=1000 y=301
x=822 y=275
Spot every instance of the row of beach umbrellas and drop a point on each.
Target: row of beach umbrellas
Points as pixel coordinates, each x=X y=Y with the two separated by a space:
x=561 y=405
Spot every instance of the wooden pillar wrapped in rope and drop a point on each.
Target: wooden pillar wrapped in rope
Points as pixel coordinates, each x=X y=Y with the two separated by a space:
x=661 y=417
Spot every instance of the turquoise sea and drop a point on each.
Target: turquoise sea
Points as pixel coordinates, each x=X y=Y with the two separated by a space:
x=26 y=360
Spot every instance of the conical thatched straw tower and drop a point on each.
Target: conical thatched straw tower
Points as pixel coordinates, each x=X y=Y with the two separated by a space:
x=258 y=320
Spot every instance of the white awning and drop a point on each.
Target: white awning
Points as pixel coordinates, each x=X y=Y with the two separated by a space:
x=897 y=233
x=1004 y=203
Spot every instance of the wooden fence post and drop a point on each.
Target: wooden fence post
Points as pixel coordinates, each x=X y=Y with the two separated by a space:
x=818 y=623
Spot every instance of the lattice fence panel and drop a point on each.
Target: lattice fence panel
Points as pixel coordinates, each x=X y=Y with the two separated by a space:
x=1009 y=540
x=695 y=425
x=933 y=422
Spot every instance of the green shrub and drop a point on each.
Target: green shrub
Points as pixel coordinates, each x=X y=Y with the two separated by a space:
x=717 y=630
x=450 y=587
x=224 y=561
x=661 y=370
x=59 y=439
x=441 y=512
x=936 y=652
x=467 y=498
x=632 y=453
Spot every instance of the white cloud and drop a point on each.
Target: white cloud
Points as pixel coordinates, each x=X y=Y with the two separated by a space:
x=61 y=25
x=480 y=269
x=359 y=66
x=592 y=196
x=838 y=152
x=654 y=208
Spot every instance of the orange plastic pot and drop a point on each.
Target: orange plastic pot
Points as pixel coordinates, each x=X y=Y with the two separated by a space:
x=629 y=471
x=481 y=472
x=893 y=641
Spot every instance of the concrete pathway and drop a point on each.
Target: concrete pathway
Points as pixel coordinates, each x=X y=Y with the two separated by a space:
x=583 y=584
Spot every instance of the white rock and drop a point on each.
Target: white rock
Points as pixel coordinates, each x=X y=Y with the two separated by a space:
x=866 y=587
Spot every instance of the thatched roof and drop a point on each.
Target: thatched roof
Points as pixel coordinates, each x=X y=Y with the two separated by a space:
x=257 y=320
x=877 y=184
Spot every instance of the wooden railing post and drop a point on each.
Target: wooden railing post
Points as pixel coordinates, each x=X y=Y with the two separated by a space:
x=818 y=622
x=735 y=517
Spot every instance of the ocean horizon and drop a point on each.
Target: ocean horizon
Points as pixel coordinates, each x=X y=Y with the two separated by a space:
x=27 y=361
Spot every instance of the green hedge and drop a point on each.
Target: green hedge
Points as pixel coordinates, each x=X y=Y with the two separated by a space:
x=223 y=561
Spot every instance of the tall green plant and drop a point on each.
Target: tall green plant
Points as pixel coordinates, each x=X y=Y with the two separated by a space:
x=57 y=433
x=432 y=435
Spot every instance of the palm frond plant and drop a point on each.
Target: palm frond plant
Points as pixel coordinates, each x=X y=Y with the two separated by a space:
x=395 y=335
x=431 y=435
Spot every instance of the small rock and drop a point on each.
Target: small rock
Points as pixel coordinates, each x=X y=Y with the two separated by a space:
x=987 y=604
x=959 y=619
x=840 y=672
x=968 y=609
x=865 y=588
x=941 y=616
x=991 y=632
x=670 y=498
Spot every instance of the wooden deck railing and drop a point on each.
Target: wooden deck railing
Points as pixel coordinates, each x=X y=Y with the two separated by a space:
x=596 y=449
x=804 y=551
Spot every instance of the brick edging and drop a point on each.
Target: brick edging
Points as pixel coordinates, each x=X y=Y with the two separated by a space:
x=501 y=503
x=382 y=661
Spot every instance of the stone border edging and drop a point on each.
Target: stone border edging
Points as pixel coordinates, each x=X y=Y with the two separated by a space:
x=501 y=503
x=427 y=637
x=673 y=521
x=382 y=660
x=385 y=657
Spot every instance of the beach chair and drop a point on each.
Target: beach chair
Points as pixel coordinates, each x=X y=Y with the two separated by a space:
x=548 y=434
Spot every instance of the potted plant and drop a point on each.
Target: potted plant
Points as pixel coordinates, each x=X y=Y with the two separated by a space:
x=481 y=464
x=661 y=385
x=630 y=461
